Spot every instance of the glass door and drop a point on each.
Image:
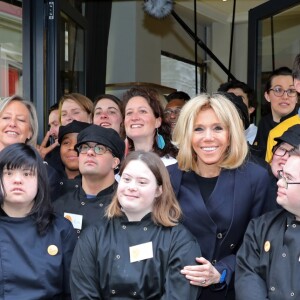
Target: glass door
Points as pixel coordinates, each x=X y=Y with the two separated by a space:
x=72 y=45
x=273 y=42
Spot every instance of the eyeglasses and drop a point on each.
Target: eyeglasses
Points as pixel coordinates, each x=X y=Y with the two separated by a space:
x=278 y=91
x=282 y=152
x=284 y=179
x=98 y=149
x=176 y=112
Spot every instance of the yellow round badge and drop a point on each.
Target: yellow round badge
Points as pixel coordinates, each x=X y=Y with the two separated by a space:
x=52 y=250
x=267 y=246
x=68 y=217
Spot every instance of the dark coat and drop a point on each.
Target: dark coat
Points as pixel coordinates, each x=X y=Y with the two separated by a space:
x=89 y=209
x=64 y=185
x=28 y=269
x=238 y=197
x=265 y=125
x=102 y=269
x=268 y=264
x=271 y=203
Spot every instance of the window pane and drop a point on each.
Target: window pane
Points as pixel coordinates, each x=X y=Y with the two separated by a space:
x=11 y=65
x=279 y=42
x=180 y=75
x=72 y=56
x=78 y=4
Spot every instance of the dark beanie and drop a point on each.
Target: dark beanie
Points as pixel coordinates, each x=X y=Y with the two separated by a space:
x=73 y=127
x=104 y=136
x=240 y=106
x=290 y=136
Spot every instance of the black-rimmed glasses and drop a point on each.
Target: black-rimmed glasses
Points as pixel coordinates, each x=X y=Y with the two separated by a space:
x=98 y=149
x=282 y=152
x=284 y=179
x=279 y=91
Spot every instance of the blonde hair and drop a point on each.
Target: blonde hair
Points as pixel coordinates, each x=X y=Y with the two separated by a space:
x=228 y=116
x=33 y=120
x=166 y=210
x=84 y=102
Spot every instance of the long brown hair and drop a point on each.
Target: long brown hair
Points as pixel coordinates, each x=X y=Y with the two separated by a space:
x=152 y=98
x=166 y=210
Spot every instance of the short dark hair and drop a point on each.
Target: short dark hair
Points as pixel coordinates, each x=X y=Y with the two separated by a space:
x=236 y=84
x=282 y=71
x=178 y=95
x=20 y=155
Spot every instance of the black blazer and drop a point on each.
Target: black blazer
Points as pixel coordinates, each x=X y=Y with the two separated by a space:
x=219 y=225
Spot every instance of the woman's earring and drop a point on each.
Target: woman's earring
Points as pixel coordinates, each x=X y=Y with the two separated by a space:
x=126 y=147
x=160 y=140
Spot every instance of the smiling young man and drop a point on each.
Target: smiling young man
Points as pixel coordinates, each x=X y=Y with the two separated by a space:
x=100 y=152
x=268 y=262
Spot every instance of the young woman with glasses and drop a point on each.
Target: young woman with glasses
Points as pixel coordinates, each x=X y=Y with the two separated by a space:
x=282 y=96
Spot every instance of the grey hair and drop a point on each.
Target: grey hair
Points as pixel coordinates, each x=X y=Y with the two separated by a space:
x=33 y=120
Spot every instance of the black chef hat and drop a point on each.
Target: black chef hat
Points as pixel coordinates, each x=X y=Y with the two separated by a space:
x=73 y=127
x=290 y=136
x=104 y=136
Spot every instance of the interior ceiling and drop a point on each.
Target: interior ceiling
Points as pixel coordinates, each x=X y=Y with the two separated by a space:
x=217 y=10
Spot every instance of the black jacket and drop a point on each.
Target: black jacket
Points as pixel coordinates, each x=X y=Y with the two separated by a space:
x=268 y=264
x=265 y=125
x=87 y=210
x=102 y=267
x=220 y=223
x=28 y=268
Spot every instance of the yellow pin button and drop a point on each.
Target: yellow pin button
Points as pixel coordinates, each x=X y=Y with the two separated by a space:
x=267 y=246
x=52 y=250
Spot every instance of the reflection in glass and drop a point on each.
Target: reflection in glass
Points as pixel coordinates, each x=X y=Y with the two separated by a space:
x=78 y=4
x=11 y=65
x=279 y=43
x=72 y=54
x=179 y=74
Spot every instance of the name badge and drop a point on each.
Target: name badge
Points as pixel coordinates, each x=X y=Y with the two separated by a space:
x=75 y=219
x=141 y=252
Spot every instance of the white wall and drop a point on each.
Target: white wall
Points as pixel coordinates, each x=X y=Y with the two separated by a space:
x=136 y=41
x=221 y=47
x=121 y=54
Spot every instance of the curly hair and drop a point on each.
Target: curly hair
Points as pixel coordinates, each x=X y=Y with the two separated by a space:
x=152 y=98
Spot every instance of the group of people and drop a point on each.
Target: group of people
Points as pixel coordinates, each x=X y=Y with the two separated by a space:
x=158 y=203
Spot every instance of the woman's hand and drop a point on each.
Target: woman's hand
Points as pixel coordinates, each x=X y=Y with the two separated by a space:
x=203 y=274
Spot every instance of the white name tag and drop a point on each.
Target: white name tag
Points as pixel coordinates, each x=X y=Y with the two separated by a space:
x=75 y=219
x=141 y=252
